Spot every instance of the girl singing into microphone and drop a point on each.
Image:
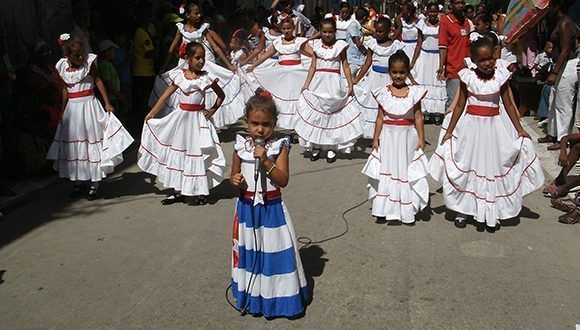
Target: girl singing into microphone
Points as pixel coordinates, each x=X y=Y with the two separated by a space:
x=267 y=274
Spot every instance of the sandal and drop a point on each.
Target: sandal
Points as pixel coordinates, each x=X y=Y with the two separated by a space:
x=546 y=139
x=565 y=205
x=569 y=218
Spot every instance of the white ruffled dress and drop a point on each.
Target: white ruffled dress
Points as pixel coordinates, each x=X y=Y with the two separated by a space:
x=232 y=107
x=284 y=81
x=89 y=142
x=410 y=37
x=327 y=116
x=377 y=77
x=425 y=70
x=484 y=170
x=397 y=171
x=182 y=149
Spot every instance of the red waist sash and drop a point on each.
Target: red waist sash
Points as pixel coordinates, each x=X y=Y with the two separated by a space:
x=272 y=194
x=402 y=122
x=75 y=95
x=478 y=110
x=191 y=107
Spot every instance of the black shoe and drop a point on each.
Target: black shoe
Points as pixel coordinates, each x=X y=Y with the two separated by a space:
x=92 y=194
x=494 y=228
x=332 y=159
x=201 y=200
x=427 y=118
x=460 y=221
x=77 y=191
x=438 y=119
x=172 y=199
x=315 y=155
x=381 y=220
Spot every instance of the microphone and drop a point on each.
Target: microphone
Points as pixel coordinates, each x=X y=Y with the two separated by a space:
x=259 y=142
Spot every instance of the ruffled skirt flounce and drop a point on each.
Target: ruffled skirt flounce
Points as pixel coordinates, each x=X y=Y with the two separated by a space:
x=284 y=83
x=365 y=101
x=485 y=171
x=182 y=149
x=89 y=142
x=425 y=73
x=326 y=115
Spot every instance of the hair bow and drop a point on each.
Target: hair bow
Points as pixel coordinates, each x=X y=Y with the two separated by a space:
x=62 y=38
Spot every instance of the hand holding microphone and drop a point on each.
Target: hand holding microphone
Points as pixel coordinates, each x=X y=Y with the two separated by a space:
x=259 y=155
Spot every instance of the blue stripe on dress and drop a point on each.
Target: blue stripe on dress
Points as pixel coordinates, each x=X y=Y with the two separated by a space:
x=270 y=307
x=270 y=215
x=267 y=263
x=380 y=69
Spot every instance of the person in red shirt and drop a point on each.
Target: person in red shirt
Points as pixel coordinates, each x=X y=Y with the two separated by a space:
x=454 y=43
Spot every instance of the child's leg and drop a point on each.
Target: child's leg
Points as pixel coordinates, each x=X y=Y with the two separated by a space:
x=563 y=186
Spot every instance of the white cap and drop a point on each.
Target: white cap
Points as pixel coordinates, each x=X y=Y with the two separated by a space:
x=106 y=44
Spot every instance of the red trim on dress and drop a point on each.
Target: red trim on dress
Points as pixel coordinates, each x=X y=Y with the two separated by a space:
x=327 y=128
x=170 y=168
x=328 y=70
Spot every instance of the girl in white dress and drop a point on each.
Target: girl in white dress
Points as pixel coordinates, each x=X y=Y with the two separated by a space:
x=262 y=38
x=379 y=49
x=409 y=31
x=194 y=31
x=397 y=166
x=274 y=286
x=89 y=141
x=326 y=116
x=343 y=20
x=484 y=170
x=425 y=68
x=239 y=47
x=182 y=149
x=284 y=81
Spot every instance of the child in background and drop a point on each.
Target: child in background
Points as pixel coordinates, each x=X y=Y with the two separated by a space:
x=239 y=47
x=274 y=286
x=425 y=69
x=89 y=142
x=379 y=49
x=108 y=73
x=397 y=167
x=122 y=61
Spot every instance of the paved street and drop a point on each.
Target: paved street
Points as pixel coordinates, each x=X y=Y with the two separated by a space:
x=125 y=261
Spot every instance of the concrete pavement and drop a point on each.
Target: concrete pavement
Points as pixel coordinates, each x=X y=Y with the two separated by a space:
x=125 y=261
